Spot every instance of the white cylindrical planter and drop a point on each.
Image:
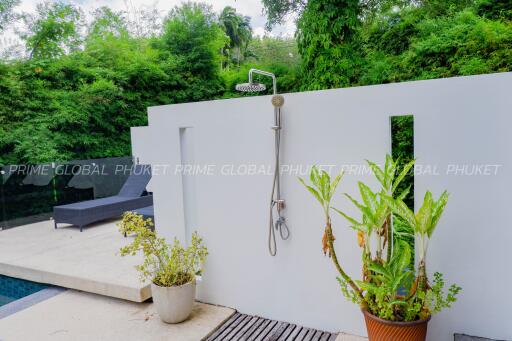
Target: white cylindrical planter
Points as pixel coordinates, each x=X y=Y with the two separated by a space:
x=174 y=304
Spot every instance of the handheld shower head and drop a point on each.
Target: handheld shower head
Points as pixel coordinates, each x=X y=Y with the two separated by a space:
x=250 y=87
x=277 y=101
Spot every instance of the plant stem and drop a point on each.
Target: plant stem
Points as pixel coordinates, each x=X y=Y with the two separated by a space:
x=389 y=231
x=332 y=253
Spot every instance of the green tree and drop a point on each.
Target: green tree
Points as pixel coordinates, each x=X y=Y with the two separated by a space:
x=325 y=38
x=238 y=28
x=52 y=31
x=278 y=10
x=193 y=36
x=108 y=23
x=81 y=103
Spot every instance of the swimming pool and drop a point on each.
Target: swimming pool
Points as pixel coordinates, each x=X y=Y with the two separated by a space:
x=12 y=289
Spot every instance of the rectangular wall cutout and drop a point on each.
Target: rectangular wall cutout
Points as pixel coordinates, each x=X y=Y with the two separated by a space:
x=402 y=149
x=188 y=181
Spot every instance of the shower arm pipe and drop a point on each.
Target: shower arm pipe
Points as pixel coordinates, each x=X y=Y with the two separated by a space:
x=264 y=73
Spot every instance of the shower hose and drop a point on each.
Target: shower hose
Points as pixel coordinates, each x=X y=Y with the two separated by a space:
x=276 y=203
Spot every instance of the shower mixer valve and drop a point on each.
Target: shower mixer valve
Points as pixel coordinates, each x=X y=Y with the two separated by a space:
x=280 y=204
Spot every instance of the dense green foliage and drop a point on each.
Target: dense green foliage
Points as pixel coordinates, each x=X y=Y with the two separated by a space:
x=324 y=36
x=82 y=83
x=75 y=96
x=351 y=42
x=402 y=147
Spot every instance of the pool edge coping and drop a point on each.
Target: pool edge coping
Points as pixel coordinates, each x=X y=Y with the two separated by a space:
x=29 y=301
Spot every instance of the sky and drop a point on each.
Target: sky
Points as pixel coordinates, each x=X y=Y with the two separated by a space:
x=251 y=8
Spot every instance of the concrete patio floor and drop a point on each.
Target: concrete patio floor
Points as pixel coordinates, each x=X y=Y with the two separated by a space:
x=87 y=261
x=75 y=315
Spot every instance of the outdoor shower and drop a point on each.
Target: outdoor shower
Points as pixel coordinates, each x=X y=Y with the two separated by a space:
x=276 y=203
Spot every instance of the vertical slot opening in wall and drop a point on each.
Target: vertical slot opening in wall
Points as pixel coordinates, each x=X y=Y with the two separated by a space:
x=402 y=149
x=188 y=181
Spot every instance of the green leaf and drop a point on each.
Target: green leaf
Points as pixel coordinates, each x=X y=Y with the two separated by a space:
x=400 y=208
x=335 y=183
x=389 y=172
x=357 y=225
x=437 y=211
x=402 y=175
x=325 y=185
x=382 y=212
x=369 y=198
x=313 y=191
x=424 y=215
x=381 y=270
x=367 y=214
x=404 y=259
x=379 y=174
x=404 y=193
x=314 y=176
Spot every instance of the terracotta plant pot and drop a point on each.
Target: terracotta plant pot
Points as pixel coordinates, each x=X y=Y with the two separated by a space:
x=384 y=330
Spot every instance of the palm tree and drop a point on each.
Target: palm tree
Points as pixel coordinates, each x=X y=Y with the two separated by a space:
x=238 y=29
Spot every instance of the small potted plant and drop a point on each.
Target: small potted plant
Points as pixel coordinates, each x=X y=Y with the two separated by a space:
x=397 y=300
x=172 y=269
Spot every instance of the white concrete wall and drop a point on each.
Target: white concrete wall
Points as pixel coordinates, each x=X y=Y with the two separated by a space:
x=467 y=122
x=339 y=127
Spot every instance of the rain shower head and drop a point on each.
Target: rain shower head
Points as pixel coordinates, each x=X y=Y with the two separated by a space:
x=257 y=87
x=251 y=87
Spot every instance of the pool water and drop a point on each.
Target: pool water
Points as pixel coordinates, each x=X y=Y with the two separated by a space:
x=12 y=289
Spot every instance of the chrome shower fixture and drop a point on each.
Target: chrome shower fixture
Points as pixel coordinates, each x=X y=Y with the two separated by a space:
x=277 y=204
x=250 y=87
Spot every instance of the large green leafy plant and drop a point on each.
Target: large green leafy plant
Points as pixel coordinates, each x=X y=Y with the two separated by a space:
x=165 y=265
x=390 y=287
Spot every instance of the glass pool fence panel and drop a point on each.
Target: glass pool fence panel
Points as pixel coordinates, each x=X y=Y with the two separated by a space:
x=28 y=193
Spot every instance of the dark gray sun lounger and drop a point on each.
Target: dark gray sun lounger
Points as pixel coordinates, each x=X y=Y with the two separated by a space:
x=146 y=212
x=129 y=198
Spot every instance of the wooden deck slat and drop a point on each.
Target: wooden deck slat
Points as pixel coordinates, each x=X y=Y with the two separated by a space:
x=309 y=336
x=237 y=328
x=286 y=332
x=289 y=329
x=223 y=327
x=242 y=327
x=271 y=331
x=317 y=335
x=266 y=331
x=325 y=337
x=293 y=335
x=258 y=331
x=253 y=328
x=302 y=334
x=241 y=332
x=229 y=328
x=277 y=332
